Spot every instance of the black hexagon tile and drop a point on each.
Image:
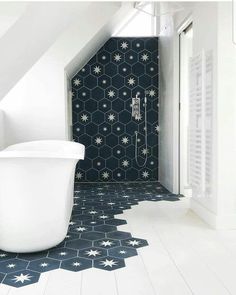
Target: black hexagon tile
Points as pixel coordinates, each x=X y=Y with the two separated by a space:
x=102 y=95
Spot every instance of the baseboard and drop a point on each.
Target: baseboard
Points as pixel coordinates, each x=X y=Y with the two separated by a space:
x=214 y=220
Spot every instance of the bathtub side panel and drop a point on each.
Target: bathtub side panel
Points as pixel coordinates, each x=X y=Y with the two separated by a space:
x=36 y=199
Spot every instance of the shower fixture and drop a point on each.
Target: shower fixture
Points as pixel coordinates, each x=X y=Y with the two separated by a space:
x=136 y=107
x=137 y=115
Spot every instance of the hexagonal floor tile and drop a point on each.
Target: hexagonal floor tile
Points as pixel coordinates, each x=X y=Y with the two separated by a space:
x=71 y=236
x=80 y=229
x=109 y=263
x=119 y=235
x=116 y=222
x=93 y=236
x=92 y=253
x=105 y=228
x=44 y=264
x=62 y=253
x=107 y=243
x=21 y=278
x=93 y=222
x=12 y=265
x=79 y=244
x=122 y=252
x=134 y=243
x=76 y=264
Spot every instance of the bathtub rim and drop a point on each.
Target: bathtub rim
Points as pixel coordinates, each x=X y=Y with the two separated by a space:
x=71 y=150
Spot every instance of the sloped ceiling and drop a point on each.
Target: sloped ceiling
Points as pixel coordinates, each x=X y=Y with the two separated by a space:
x=31 y=35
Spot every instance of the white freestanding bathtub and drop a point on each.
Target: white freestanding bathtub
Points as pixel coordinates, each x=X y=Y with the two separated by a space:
x=36 y=193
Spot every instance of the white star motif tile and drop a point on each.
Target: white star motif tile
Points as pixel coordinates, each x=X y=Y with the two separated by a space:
x=77 y=82
x=125 y=140
x=124 y=45
x=98 y=140
x=97 y=70
x=105 y=175
x=111 y=117
x=145 y=174
x=22 y=278
x=131 y=81
x=117 y=57
x=145 y=57
x=152 y=93
x=84 y=118
x=111 y=93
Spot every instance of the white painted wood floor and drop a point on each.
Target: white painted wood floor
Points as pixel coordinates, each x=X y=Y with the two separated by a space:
x=184 y=257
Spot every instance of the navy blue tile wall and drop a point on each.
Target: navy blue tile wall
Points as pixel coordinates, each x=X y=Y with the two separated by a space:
x=102 y=121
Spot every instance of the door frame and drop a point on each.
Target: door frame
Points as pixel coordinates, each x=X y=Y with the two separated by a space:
x=183 y=26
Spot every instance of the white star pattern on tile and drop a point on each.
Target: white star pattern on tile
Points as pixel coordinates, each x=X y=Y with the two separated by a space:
x=108 y=262
x=98 y=140
x=72 y=223
x=125 y=163
x=93 y=212
x=92 y=252
x=145 y=174
x=125 y=140
x=84 y=118
x=81 y=229
x=152 y=92
x=106 y=243
x=157 y=128
x=122 y=252
x=124 y=45
x=145 y=57
x=77 y=82
x=134 y=243
x=103 y=216
x=79 y=175
x=117 y=57
x=111 y=93
x=145 y=151
x=44 y=264
x=11 y=265
x=3 y=255
x=111 y=117
x=131 y=81
x=111 y=203
x=97 y=70
x=105 y=175
x=76 y=264
x=63 y=253
x=22 y=278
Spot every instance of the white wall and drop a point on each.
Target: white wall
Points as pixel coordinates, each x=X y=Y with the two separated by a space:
x=218 y=209
x=2 y=130
x=226 y=119
x=168 y=99
x=36 y=108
